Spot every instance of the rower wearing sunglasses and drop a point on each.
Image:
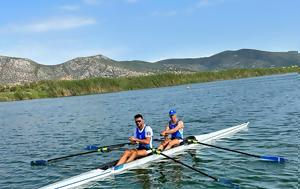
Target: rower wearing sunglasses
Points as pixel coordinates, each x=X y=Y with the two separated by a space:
x=143 y=137
x=173 y=128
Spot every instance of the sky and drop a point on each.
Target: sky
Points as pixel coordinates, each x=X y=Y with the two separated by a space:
x=54 y=31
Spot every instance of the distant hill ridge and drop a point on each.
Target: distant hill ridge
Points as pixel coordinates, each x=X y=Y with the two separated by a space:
x=21 y=70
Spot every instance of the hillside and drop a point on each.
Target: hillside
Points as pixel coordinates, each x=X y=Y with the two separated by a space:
x=20 y=70
x=244 y=58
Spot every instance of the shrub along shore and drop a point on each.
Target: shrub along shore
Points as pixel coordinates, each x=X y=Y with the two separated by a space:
x=62 y=88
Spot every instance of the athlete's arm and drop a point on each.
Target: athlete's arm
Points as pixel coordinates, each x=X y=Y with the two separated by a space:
x=143 y=141
x=147 y=140
x=164 y=133
x=179 y=126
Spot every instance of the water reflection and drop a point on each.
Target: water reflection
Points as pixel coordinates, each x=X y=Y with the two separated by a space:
x=143 y=177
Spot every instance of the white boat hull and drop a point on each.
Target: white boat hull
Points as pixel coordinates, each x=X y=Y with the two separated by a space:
x=98 y=174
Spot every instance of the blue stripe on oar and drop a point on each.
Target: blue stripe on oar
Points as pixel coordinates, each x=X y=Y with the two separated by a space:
x=273 y=158
x=118 y=167
x=228 y=183
x=92 y=147
x=39 y=162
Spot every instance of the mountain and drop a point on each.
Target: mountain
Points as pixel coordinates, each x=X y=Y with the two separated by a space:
x=244 y=58
x=21 y=70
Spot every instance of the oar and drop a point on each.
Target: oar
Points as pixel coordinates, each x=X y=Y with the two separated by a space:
x=95 y=147
x=220 y=180
x=266 y=158
x=99 y=149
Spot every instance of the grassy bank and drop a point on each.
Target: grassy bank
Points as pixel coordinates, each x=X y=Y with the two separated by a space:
x=51 y=89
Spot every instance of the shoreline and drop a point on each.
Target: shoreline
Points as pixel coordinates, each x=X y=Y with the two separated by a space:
x=65 y=88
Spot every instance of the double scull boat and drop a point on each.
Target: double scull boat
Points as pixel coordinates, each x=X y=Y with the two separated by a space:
x=103 y=172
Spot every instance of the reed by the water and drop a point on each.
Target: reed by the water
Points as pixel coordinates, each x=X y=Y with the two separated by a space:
x=61 y=88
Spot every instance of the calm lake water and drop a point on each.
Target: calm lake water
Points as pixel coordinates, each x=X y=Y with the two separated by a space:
x=48 y=128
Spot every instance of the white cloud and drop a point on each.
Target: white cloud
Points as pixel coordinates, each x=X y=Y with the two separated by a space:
x=53 y=24
x=201 y=4
x=69 y=8
x=92 y=2
x=165 y=13
x=131 y=1
x=189 y=9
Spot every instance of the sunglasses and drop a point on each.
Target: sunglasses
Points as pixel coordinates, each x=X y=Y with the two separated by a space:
x=138 y=121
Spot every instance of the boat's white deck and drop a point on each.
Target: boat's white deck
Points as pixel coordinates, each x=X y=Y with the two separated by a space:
x=99 y=173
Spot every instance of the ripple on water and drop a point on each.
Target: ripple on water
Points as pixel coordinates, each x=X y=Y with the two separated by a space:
x=48 y=128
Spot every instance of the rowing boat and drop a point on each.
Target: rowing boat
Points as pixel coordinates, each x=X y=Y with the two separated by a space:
x=100 y=173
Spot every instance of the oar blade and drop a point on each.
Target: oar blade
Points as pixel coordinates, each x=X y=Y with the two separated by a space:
x=228 y=183
x=273 y=158
x=38 y=162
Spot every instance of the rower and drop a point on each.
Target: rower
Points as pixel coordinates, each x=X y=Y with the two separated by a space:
x=143 y=137
x=175 y=128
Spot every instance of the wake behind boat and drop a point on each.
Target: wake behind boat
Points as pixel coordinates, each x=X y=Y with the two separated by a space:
x=103 y=172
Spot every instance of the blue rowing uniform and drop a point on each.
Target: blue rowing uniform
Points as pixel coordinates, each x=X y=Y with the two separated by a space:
x=178 y=134
x=142 y=134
